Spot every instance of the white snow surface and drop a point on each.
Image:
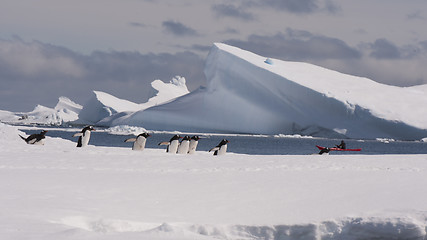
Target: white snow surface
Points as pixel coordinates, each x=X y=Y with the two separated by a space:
x=58 y=191
x=247 y=95
x=102 y=108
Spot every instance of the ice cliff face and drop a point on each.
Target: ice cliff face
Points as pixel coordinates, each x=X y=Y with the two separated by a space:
x=247 y=93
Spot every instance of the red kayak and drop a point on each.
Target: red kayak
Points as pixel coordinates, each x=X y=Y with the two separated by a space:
x=340 y=149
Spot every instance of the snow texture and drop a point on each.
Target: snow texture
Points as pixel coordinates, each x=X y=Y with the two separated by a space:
x=247 y=93
x=58 y=191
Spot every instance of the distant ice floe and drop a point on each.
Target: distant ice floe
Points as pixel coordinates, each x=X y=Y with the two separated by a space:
x=346 y=228
x=125 y=130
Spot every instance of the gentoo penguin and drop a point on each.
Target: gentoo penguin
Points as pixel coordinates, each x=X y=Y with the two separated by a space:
x=172 y=144
x=36 y=139
x=221 y=148
x=139 y=141
x=184 y=145
x=84 y=136
x=193 y=144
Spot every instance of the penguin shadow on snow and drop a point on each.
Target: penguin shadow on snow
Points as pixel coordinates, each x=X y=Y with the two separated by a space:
x=35 y=139
x=139 y=141
x=84 y=136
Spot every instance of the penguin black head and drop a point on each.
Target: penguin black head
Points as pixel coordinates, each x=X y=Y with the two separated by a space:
x=175 y=137
x=186 y=138
x=196 y=138
x=146 y=135
x=223 y=142
x=88 y=128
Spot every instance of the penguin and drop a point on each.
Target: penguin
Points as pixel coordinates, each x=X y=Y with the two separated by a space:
x=193 y=144
x=172 y=144
x=84 y=136
x=221 y=148
x=139 y=141
x=36 y=139
x=184 y=145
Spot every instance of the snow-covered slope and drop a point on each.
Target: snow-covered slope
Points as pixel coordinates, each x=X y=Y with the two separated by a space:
x=64 y=111
x=103 y=108
x=247 y=94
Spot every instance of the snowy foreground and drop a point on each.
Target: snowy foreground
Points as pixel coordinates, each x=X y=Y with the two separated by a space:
x=58 y=191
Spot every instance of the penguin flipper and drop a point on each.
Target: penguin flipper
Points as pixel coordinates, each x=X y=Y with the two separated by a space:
x=78 y=134
x=23 y=138
x=130 y=140
x=164 y=143
x=214 y=149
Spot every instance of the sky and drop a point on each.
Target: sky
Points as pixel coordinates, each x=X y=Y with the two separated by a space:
x=51 y=48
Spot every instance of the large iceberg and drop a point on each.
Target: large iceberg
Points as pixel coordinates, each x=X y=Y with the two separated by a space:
x=248 y=93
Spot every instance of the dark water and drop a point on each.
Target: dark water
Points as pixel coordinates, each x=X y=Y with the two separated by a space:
x=264 y=145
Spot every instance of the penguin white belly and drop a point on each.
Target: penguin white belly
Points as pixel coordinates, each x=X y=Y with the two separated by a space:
x=173 y=146
x=139 y=144
x=222 y=150
x=183 y=147
x=85 y=138
x=192 y=147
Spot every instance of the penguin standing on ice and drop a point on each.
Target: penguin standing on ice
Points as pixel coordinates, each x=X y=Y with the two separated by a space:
x=172 y=144
x=221 y=148
x=139 y=141
x=36 y=139
x=193 y=144
x=184 y=145
x=84 y=136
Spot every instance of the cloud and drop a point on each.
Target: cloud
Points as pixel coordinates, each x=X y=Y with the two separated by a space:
x=297 y=6
x=178 y=29
x=37 y=73
x=137 y=24
x=383 y=49
x=228 y=10
x=298 y=46
x=381 y=60
x=417 y=15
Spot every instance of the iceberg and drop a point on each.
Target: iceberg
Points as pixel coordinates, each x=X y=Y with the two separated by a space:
x=65 y=111
x=103 y=108
x=248 y=93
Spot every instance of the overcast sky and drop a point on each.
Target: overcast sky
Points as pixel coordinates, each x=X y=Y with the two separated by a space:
x=53 y=48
